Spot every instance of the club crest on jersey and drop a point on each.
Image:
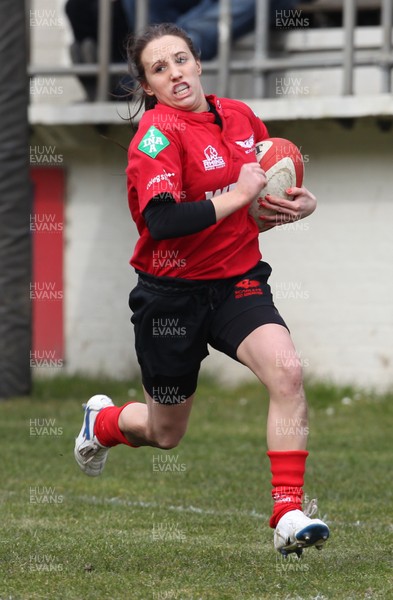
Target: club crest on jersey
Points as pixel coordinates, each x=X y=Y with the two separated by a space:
x=212 y=161
x=153 y=142
x=248 y=144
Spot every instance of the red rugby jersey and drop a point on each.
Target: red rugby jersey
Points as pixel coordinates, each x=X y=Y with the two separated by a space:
x=187 y=155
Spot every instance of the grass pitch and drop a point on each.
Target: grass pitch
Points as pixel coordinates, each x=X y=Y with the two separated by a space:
x=191 y=523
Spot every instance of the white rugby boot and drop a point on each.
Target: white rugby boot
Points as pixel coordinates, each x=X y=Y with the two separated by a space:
x=89 y=453
x=296 y=531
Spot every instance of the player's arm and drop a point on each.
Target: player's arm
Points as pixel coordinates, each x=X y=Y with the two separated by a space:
x=165 y=218
x=252 y=180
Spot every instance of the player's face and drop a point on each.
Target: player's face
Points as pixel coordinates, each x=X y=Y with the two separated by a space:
x=172 y=74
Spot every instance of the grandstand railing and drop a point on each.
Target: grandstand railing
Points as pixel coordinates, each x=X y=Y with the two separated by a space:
x=262 y=63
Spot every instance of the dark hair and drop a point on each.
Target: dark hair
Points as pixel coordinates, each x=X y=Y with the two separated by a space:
x=135 y=47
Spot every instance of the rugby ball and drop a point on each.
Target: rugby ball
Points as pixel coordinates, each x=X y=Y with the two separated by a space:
x=282 y=162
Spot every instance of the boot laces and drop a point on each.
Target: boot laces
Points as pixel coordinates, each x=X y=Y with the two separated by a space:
x=311 y=508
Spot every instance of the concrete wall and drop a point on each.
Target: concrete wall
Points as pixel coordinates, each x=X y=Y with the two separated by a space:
x=332 y=273
x=99 y=241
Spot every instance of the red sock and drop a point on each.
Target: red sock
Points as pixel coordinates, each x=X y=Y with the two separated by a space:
x=106 y=427
x=288 y=478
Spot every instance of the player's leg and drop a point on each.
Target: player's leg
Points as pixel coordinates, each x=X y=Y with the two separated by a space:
x=249 y=328
x=170 y=345
x=154 y=423
x=269 y=352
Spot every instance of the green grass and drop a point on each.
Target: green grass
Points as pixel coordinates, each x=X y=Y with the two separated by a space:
x=197 y=531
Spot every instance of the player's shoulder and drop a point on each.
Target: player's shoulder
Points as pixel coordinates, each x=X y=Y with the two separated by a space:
x=234 y=108
x=238 y=106
x=153 y=122
x=153 y=131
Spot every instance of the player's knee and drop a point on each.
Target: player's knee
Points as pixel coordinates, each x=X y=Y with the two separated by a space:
x=288 y=380
x=167 y=439
x=167 y=442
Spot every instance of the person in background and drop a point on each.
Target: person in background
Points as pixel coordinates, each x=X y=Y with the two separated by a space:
x=83 y=18
x=199 y=18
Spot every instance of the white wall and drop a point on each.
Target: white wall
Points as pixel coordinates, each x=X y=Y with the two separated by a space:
x=99 y=242
x=343 y=262
x=332 y=273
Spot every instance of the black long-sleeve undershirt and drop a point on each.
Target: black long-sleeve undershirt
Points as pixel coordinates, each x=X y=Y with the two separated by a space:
x=165 y=218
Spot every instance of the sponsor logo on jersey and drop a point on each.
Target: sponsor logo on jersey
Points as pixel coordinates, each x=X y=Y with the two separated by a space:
x=161 y=177
x=248 y=287
x=153 y=142
x=213 y=194
x=212 y=161
x=248 y=144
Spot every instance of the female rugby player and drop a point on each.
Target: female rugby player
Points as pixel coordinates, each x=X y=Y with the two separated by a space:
x=192 y=174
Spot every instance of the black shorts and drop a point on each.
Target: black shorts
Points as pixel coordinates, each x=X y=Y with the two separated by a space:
x=176 y=319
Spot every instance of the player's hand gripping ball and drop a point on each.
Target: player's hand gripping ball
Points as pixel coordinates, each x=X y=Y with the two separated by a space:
x=282 y=162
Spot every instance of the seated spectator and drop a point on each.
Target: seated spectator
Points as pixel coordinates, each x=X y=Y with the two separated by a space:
x=200 y=18
x=83 y=17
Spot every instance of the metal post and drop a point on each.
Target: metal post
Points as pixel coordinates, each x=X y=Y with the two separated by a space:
x=104 y=48
x=28 y=30
x=261 y=46
x=142 y=15
x=15 y=204
x=348 y=53
x=386 y=22
x=224 y=48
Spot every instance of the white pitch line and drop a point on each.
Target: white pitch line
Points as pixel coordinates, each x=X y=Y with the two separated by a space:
x=155 y=505
x=192 y=509
x=201 y=511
